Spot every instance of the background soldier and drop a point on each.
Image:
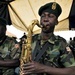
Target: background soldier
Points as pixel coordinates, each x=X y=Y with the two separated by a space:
x=9 y=52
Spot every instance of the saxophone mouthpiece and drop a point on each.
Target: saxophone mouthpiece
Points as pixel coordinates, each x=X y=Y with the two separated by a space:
x=43 y=26
x=39 y=25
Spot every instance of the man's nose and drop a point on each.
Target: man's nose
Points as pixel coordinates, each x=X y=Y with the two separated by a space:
x=46 y=19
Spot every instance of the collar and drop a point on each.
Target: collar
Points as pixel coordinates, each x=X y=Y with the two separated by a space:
x=51 y=40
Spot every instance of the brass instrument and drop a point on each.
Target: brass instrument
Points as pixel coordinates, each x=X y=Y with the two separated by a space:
x=26 y=48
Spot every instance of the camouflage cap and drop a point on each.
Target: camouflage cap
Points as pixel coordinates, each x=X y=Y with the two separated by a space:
x=3 y=21
x=51 y=7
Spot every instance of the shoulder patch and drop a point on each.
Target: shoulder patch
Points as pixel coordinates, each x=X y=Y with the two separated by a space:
x=17 y=46
x=68 y=49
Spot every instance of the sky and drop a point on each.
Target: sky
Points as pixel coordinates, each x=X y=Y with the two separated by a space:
x=19 y=33
x=66 y=34
x=15 y=31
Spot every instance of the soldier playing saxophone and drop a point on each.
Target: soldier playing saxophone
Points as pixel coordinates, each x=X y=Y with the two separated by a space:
x=49 y=52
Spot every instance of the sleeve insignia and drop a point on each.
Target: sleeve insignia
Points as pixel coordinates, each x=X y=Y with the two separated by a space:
x=68 y=49
x=17 y=46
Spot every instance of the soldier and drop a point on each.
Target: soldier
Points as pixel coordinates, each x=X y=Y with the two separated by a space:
x=50 y=53
x=9 y=52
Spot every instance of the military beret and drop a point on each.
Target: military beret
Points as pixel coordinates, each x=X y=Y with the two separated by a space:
x=51 y=7
x=3 y=21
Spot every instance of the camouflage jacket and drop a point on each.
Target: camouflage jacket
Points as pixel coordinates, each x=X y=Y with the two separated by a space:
x=56 y=54
x=8 y=50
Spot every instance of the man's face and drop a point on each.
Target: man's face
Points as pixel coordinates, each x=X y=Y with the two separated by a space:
x=2 y=31
x=48 y=21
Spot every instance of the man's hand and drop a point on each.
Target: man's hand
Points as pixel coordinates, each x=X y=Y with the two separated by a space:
x=32 y=67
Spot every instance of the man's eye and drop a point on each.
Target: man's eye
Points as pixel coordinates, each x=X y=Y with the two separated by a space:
x=51 y=16
x=42 y=16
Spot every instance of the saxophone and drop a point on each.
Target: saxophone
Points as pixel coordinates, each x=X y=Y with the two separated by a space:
x=26 y=48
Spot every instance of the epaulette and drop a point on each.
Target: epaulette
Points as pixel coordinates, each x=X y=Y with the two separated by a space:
x=10 y=38
x=34 y=37
x=60 y=38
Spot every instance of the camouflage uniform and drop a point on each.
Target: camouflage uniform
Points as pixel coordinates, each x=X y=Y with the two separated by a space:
x=8 y=50
x=56 y=54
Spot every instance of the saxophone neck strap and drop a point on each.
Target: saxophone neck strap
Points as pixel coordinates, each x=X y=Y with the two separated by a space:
x=41 y=52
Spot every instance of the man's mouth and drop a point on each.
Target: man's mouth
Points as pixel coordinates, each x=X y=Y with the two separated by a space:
x=45 y=26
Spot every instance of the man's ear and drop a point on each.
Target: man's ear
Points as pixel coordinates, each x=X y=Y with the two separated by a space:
x=56 y=22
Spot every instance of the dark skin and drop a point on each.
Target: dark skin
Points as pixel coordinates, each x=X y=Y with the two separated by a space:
x=48 y=21
x=9 y=63
x=6 y=63
x=2 y=31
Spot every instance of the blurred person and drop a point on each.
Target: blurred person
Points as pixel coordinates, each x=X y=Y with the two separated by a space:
x=9 y=51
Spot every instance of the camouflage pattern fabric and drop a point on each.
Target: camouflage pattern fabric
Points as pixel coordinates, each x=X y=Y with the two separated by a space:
x=57 y=54
x=8 y=50
x=72 y=46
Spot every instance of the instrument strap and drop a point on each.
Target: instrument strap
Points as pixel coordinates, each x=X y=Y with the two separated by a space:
x=41 y=52
x=35 y=50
